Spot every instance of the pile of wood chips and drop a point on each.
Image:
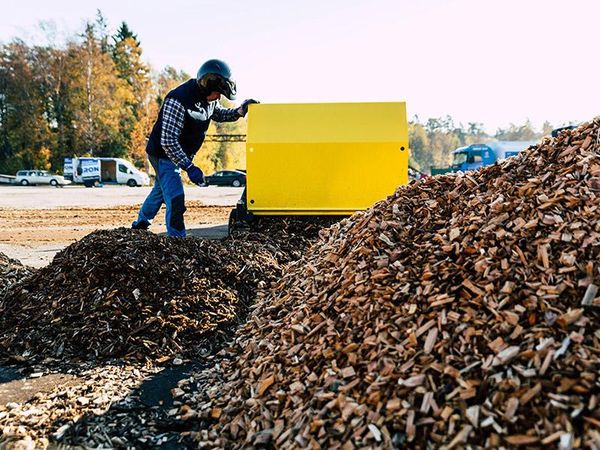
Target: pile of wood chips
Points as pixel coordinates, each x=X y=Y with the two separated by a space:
x=135 y=294
x=11 y=271
x=462 y=310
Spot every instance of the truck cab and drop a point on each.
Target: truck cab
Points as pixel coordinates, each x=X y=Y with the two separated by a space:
x=472 y=157
x=476 y=156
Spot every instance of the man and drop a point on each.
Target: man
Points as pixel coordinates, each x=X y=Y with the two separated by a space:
x=178 y=134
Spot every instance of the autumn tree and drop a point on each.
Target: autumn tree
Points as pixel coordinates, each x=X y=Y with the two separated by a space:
x=102 y=101
x=127 y=56
x=24 y=133
x=52 y=72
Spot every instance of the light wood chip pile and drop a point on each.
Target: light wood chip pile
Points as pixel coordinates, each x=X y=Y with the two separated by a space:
x=463 y=309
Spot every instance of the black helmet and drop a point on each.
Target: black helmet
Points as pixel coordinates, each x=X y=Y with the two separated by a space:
x=215 y=75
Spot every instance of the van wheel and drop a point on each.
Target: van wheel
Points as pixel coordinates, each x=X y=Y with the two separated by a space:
x=24 y=183
x=236 y=183
x=53 y=183
x=131 y=183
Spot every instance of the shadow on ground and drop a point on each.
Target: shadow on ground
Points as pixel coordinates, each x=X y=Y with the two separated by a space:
x=140 y=420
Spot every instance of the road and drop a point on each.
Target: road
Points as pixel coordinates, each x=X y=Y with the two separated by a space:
x=42 y=197
x=37 y=222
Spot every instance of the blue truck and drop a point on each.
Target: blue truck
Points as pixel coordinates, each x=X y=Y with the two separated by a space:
x=475 y=156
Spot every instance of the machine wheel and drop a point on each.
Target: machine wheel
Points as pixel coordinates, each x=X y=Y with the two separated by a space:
x=131 y=183
x=236 y=183
x=24 y=183
x=53 y=183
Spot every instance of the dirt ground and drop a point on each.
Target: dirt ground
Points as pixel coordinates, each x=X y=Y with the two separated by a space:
x=34 y=236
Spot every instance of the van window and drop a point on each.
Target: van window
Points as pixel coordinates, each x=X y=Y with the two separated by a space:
x=123 y=168
x=21 y=173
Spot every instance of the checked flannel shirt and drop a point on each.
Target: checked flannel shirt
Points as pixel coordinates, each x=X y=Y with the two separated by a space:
x=172 y=124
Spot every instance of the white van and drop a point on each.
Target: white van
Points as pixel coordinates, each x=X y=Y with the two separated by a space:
x=91 y=171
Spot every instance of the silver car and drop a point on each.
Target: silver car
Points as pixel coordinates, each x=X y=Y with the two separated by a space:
x=32 y=177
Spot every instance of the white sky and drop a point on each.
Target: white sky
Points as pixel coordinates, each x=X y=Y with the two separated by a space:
x=490 y=61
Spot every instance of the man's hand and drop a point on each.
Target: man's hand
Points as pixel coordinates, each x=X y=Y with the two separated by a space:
x=243 y=109
x=195 y=174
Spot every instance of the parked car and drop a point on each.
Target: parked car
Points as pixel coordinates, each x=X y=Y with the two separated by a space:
x=32 y=177
x=235 y=178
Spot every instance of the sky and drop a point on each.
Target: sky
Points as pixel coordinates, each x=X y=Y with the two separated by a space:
x=494 y=62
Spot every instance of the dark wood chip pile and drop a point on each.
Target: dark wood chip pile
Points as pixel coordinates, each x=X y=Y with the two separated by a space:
x=106 y=404
x=132 y=293
x=462 y=310
x=11 y=271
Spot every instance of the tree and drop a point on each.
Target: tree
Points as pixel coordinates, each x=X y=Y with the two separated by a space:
x=419 y=144
x=51 y=67
x=514 y=132
x=547 y=128
x=25 y=132
x=168 y=79
x=102 y=100
x=127 y=56
x=100 y=26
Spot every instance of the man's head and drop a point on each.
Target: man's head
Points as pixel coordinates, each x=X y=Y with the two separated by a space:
x=214 y=78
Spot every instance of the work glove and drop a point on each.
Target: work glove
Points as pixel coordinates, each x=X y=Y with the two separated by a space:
x=195 y=174
x=243 y=108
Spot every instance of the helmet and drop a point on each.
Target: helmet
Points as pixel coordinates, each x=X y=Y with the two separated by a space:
x=215 y=75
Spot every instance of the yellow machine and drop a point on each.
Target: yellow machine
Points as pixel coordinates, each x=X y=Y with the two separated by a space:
x=322 y=158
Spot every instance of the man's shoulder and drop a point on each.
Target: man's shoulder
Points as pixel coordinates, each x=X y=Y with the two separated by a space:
x=182 y=91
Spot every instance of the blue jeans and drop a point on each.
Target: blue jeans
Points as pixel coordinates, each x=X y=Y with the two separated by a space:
x=168 y=189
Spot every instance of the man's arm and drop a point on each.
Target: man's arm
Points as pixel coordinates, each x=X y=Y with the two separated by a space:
x=221 y=114
x=172 y=124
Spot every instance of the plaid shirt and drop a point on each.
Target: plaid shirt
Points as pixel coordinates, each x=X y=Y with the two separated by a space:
x=172 y=124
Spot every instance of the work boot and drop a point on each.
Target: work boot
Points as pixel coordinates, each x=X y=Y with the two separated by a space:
x=140 y=225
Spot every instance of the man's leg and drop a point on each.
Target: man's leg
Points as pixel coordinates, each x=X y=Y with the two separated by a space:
x=152 y=203
x=172 y=189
